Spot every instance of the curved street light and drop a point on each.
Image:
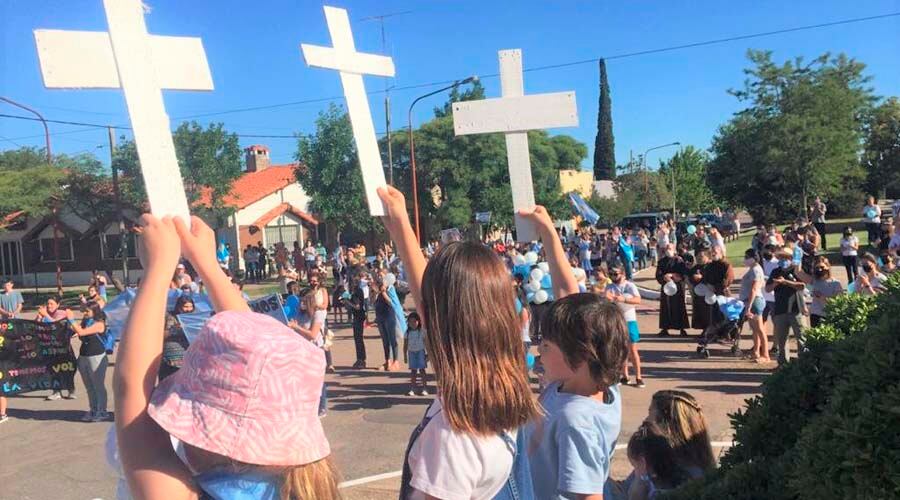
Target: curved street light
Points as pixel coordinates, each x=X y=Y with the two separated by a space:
x=412 y=147
x=644 y=160
x=59 y=289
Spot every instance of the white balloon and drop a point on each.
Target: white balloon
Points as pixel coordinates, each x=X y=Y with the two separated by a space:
x=519 y=259
x=579 y=273
x=711 y=299
x=537 y=274
x=531 y=258
x=543 y=266
x=703 y=290
x=533 y=286
x=670 y=288
x=540 y=296
x=389 y=279
x=720 y=299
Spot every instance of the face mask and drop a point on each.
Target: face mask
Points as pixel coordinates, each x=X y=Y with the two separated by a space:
x=749 y=262
x=867 y=268
x=784 y=264
x=251 y=485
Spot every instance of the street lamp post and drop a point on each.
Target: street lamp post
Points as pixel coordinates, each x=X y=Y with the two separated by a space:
x=55 y=208
x=644 y=160
x=412 y=147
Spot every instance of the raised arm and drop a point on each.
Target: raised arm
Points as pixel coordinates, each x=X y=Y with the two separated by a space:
x=199 y=246
x=396 y=221
x=150 y=464
x=564 y=282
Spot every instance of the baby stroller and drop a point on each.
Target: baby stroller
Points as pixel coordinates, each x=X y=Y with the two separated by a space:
x=725 y=326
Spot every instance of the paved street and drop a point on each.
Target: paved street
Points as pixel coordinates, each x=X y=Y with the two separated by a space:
x=47 y=453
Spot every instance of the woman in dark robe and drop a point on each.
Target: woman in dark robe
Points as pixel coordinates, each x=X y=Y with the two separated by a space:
x=672 y=309
x=700 y=310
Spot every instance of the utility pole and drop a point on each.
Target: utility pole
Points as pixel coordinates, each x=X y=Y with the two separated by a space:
x=387 y=95
x=123 y=237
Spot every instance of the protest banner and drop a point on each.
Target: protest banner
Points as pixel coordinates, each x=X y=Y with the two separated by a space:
x=270 y=305
x=35 y=356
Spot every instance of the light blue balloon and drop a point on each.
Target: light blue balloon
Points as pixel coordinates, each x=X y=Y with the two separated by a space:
x=529 y=296
x=871 y=213
x=851 y=288
x=691 y=229
x=529 y=360
x=546 y=283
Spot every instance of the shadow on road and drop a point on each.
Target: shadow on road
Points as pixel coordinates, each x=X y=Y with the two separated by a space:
x=46 y=415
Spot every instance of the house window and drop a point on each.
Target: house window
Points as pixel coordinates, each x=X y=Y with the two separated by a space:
x=66 y=250
x=110 y=246
x=286 y=234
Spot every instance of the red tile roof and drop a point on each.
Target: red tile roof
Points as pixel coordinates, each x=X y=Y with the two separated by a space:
x=254 y=186
x=281 y=209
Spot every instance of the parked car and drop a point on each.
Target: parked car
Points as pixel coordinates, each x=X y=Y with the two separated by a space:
x=646 y=220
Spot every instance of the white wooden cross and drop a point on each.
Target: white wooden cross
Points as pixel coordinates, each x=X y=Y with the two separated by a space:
x=515 y=114
x=352 y=65
x=141 y=64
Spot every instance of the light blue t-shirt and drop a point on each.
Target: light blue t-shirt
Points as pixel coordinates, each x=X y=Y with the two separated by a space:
x=575 y=442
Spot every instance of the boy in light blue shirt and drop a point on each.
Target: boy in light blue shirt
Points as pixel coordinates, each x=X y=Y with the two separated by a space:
x=584 y=346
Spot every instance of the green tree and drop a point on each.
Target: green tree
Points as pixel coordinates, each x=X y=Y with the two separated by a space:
x=805 y=122
x=330 y=172
x=469 y=174
x=692 y=193
x=28 y=182
x=643 y=190
x=209 y=159
x=77 y=183
x=605 y=144
x=881 y=157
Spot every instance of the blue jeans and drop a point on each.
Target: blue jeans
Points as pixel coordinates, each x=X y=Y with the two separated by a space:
x=629 y=269
x=387 y=328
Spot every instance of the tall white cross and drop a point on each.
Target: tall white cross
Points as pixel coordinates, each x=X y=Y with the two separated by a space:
x=352 y=65
x=141 y=64
x=515 y=114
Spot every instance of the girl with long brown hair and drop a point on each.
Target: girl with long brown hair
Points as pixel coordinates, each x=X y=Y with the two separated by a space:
x=468 y=444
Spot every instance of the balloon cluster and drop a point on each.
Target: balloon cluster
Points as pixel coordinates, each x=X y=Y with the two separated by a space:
x=539 y=288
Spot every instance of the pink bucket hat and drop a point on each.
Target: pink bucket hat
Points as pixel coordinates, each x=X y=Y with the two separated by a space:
x=249 y=390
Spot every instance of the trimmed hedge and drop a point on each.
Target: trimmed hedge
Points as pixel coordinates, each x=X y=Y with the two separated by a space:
x=826 y=425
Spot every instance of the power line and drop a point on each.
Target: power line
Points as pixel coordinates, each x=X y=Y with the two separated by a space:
x=494 y=75
x=573 y=63
x=119 y=127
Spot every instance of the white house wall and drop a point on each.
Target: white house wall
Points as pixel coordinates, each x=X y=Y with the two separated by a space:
x=293 y=194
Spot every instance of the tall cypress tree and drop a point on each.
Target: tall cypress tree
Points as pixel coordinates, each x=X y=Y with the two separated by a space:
x=605 y=144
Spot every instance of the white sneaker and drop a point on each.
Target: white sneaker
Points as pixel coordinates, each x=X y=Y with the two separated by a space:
x=423 y=392
x=54 y=397
x=71 y=395
x=3 y=418
x=411 y=393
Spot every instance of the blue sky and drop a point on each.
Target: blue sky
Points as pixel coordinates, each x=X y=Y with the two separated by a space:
x=253 y=51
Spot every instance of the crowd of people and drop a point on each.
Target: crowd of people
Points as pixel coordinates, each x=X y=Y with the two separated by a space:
x=479 y=308
x=484 y=436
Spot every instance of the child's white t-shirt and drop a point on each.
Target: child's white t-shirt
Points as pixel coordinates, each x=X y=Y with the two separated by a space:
x=456 y=466
x=628 y=290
